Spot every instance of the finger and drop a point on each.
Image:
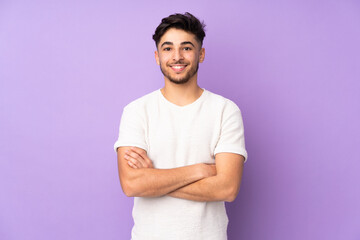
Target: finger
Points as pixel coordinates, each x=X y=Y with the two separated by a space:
x=143 y=154
x=133 y=154
x=136 y=163
x=131 y=164
x=139 y=151
x=133 y=161
x=138 y=158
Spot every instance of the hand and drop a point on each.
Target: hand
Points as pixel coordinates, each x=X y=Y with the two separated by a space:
x=209 y=170
x=137 y=158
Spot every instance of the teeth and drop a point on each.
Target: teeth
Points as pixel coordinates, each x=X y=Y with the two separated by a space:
x=178 y=67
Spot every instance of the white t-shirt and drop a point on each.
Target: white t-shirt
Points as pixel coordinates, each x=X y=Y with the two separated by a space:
x=176 y=136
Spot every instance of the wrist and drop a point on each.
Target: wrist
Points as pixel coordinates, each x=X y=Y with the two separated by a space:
x=202 y=171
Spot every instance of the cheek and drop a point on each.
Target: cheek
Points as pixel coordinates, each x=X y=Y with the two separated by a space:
x=164 y=59
x=192 y=57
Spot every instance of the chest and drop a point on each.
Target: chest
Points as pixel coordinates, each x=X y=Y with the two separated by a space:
x=182 y=138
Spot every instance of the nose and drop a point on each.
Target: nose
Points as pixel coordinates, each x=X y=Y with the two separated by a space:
x=177 y=55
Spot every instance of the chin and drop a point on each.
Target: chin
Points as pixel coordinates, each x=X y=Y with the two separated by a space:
x=182 y=81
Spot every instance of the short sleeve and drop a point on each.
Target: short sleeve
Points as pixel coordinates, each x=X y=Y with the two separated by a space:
x=131 y=130
x=232 y=137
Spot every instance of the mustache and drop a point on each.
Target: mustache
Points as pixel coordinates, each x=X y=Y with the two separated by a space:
x=178 y=62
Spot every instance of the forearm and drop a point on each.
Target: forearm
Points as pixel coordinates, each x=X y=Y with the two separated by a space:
x=207 y=190
x=138 y=178
x=150 y=182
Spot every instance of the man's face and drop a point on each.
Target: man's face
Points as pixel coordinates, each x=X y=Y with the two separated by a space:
x=178 y=54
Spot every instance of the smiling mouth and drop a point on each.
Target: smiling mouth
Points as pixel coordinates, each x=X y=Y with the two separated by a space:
x=178 y=68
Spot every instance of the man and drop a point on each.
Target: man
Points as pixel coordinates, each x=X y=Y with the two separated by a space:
x=181 y=148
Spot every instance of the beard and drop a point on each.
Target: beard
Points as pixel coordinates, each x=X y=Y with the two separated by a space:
x=182 y=80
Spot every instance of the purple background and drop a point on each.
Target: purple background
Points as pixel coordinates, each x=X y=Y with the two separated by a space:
x=67 y=68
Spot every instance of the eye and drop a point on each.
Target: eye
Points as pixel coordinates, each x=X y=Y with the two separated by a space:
x=167 y=49
x=187 y=48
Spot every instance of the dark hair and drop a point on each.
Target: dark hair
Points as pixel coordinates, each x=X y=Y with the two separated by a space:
x=186 y=22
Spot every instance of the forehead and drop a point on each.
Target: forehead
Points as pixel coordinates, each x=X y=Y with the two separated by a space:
x=177 y=36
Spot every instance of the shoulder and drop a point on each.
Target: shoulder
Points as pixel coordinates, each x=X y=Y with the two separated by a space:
x=224 y=103
x=143 y=102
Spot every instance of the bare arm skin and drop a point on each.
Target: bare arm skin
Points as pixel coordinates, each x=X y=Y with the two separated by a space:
x=224 y=186
x=145 y=181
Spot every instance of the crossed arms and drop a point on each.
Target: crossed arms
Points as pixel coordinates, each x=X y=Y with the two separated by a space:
x=199 y=182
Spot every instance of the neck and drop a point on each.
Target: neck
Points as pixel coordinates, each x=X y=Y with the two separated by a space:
x=181 y=94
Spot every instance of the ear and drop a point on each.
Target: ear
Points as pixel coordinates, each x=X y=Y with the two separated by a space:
x=202 y=55
x=157 y=57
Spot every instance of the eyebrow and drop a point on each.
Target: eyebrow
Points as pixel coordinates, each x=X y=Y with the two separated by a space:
x=183 y=43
